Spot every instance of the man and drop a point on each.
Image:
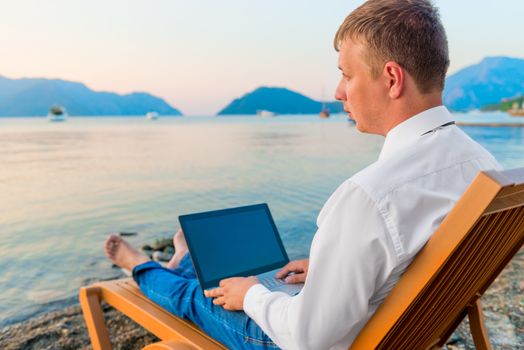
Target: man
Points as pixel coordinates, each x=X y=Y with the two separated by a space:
x=393 y=57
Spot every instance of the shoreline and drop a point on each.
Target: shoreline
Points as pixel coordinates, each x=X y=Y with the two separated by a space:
x=160 y=250
x=39 y=310
x=64 y=327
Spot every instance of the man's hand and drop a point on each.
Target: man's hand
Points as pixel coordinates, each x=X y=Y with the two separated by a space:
x=231 y=292
x=295 y=271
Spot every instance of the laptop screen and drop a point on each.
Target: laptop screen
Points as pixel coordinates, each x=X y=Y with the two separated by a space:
x=240 y=241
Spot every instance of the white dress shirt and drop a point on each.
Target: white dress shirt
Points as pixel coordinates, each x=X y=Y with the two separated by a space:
x=369 y=231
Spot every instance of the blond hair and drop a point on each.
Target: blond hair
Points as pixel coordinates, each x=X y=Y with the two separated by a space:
x=408 y=32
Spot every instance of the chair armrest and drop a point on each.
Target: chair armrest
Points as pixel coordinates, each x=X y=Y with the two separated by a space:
x=170 y=345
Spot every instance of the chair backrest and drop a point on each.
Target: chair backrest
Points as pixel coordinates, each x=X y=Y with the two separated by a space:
x=477 y=239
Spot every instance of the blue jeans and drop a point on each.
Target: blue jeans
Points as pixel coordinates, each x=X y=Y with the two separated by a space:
x=179 y=292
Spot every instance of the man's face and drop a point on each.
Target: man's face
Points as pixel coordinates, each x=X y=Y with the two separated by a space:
x=363 y=97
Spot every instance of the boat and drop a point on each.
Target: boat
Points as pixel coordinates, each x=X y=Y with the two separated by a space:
x=57 y=114
x=264 y=113
x=515 y=111
x=152 y=115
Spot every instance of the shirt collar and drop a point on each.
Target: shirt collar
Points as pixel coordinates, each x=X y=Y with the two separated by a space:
x=413 y=128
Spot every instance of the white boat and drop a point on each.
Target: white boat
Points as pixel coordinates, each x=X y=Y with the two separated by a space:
x=57 y=114
x=152 y=115
x=264 y=113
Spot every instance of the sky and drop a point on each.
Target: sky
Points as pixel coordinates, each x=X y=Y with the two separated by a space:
x=199 y=55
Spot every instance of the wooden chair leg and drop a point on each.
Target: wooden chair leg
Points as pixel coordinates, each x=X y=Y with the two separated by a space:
x=477 y=326
x=94 y=318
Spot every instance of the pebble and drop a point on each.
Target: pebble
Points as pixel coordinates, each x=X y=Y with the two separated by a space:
x=161 y=244
x=161 y=256
x=127 y=234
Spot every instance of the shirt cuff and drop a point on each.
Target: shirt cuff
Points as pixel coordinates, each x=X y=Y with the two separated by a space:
x=252 y=298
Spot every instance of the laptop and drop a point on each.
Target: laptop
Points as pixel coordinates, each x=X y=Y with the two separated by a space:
x=236 y=242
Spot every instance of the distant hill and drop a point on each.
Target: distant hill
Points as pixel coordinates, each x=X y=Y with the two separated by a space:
x=485 y=83
x=277 y=100
x=33 y=97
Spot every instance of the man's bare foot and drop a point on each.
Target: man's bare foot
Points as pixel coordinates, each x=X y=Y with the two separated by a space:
x=179 y=241
x=123 y=254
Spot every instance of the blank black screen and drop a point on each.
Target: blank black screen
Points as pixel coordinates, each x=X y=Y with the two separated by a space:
x=233 y=242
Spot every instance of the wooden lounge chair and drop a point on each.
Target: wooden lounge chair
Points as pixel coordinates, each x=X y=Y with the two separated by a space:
x=474 y=243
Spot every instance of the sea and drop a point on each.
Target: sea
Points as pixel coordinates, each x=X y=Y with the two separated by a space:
x=65 y=186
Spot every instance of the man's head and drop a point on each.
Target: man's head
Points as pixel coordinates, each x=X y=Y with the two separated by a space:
x=403 y=46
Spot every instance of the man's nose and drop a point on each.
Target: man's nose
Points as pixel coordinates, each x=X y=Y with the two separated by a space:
x=340 y=95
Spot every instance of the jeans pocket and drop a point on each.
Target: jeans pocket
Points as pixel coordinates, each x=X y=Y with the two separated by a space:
x=255 y=336
x=260 y=343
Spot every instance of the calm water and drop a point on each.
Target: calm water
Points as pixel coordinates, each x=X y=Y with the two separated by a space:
x=65 y=186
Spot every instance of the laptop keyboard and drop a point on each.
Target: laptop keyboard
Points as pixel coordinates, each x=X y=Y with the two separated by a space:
x=271 y=282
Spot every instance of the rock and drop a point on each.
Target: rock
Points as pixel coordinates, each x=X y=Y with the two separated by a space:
x=147 y=247
x=161 y=256
x=147 y=250
x=160 y=244
x=501 y=331
x=127 y=234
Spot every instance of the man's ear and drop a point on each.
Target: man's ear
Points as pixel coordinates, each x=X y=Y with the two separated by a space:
x=394 y=76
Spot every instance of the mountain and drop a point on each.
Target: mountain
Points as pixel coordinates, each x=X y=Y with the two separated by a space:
x=277 y=100
x=488 y=82
x=33 y=97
